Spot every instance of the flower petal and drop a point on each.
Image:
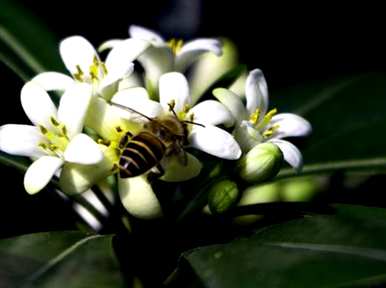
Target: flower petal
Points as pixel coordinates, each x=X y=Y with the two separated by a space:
x=177 y=171
x=194 y=49
x=78 y=178
x=247 y=136
x=256 y=92
x=51 y=81
x=109 y=44
x=138 y=197
x=156 y=61
x=73 y=107
x=173 y=86
x=130 y=81
x=211 y=112
x=21 y=140
x=37 y=104
x=238 y=86
x=291 y=154
x=232 y=102
x=215 y=141
x=40 y=173
x=76 y=50
x=290 y=125
x=139 y=32
x=209 y=68
x=83 y=150
x=119 y=60
x=107 y=120
x=138 y=100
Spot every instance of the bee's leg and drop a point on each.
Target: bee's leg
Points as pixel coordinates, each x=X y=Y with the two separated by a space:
x=156 y=174
x=125 y=139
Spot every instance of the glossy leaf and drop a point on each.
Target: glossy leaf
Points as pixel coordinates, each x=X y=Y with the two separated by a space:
x=59 y=259
x=26 y=45
x=347 y=116
x=344 y=250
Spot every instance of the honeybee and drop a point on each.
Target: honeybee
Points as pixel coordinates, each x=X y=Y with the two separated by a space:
x=160 y=137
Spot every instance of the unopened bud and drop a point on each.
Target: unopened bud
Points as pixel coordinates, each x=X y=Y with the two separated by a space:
x=255 y=195
x=300 y=189
x=261 y=163
x=222 y=196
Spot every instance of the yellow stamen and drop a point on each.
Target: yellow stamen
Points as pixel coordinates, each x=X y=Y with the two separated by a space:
x=54 y=122
x=175 y=45
x=267 y=118
x=43 y=129
x=53 y=147
x=270 y=131
x=43 y=146
x=104 y=68
x=79 y=75
x=254 y=118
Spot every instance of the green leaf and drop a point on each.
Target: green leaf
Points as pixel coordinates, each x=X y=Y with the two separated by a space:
x=344 y=250
x=26 y=45
x=20 y=163
x=348 y=118
x=59 y=259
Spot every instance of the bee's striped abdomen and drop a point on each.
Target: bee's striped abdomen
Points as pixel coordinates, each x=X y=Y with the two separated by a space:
x=141 y=153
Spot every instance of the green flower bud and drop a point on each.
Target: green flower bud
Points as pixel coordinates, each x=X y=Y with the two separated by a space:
x=300 y=189
x=222 y=196
x=254 y=195
x=261 y=163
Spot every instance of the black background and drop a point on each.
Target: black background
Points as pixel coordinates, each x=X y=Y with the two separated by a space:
x=292 y=44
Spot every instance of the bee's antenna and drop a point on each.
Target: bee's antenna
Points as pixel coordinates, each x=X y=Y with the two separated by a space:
x=130 y=109
x=194 y=123
x=171 y=108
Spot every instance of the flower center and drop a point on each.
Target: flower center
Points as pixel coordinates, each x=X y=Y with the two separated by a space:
x=263 y=125
x=175 y=45
x=55 y=139
x=97 y=71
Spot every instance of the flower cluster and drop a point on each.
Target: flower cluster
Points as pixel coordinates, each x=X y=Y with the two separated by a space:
x=114 y=119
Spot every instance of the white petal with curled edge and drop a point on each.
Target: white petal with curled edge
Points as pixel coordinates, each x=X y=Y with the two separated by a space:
x=119 y=60
x=138 y=100
x=178 y=168
x=76 y=50
x=109 y=44
x=37 y=104
x=211 y=112
x=139 y=32
x=52 y=81
x=173 y=86
x=291 y=154
x=194 y=49
x=256 y=92
x=138 y=197
x=109 y=84
x=21 y=140
x=232 y=102
x=209 y=68
x=73 y=107
x=40 y=173
x=83 y=150
x=156 y=61
x=124 y=53
x=290 y=125
x=215 y=141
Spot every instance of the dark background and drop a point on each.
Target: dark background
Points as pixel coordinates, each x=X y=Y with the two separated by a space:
x=292 y=44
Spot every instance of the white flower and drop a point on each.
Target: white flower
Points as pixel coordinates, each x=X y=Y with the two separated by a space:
x=175 y=96
x=85 y=66
x=56 y=136
x=255 y=124
x=163 y=56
